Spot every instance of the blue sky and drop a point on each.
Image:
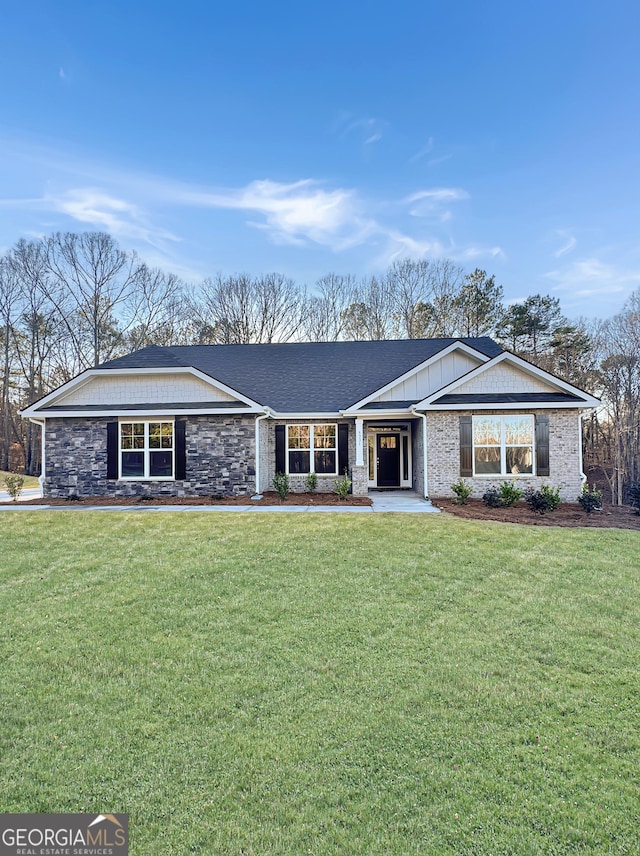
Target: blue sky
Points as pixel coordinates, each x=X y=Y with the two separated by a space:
x=333 y=137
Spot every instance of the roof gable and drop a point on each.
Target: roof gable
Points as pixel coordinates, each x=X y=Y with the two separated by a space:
x=122 y=389
x=507 y=380
x=445 y=366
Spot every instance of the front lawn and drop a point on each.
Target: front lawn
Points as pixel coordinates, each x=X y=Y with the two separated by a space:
x=314 y=684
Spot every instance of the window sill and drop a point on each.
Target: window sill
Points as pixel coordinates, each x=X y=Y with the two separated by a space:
x=146 y=479
x=504 y=476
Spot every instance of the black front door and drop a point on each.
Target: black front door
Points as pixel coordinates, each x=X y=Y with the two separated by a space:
x=388 y=460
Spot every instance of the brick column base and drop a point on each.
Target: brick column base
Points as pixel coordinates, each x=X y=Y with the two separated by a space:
x=360 y=481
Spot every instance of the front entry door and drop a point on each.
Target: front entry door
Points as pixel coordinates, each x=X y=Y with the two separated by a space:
x=388 y=460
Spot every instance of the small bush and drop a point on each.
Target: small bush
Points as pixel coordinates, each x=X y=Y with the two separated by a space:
x=281 y=485
x=543 y=500
x=462 y=490
x=509 y=494
x=492 y=498
x=343 y=486
x=311 y=483
x=634 y=497
x=552 y=495
x=14 y=483
x=590 y=499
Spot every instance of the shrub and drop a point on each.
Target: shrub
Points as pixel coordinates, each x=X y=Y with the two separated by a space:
x=492 y=498
x=462 y=490
x=311 y=483
x=509 y=494
x=634 y=497
x=590 y=499
x=552 y=495
x=543 y=500
x=343 y=486
x=281 y=485
x=502 y=497
x=14 y=483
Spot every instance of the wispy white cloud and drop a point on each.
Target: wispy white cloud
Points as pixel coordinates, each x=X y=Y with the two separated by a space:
x=97 y=208
x=424 y=151
x=137 y=208
x=569 y=243
x=592 y=277
x=427 y=150
x=293 y=213
x=469 y=253
x=368 y=129
x=434 y=203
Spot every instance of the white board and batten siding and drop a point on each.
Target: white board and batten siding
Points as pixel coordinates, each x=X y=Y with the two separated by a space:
x=431 y=378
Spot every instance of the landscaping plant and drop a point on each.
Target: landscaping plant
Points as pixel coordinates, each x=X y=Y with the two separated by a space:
x=509 y=494
x=14 y=483
x=492 y=498
x=343 y=486
x=634 y=497
x=590 y=499
x=543 y=500
x=462 y=490
x=311 y=483
x=281 y=485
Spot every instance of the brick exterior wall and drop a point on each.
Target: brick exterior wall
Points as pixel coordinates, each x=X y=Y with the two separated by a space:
x=220 y=459
x=326 y=484
x=443 y=453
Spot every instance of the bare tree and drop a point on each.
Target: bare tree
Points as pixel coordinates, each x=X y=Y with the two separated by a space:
x=325 y=318
x=370 y=316
x=243 y=310
x=155 y=311
x=619 y=419
x=10 y=305
x=37 y=333
x=90 y=278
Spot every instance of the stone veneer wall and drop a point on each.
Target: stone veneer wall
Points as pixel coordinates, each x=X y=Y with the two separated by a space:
x=443 y=455
x=220 y=459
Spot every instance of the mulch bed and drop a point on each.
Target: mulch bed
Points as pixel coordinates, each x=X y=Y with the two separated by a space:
x=568 y=514
x=269 y=498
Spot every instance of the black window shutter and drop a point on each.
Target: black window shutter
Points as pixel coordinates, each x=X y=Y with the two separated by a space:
x=112 y=450
x=343 y=447
x=181 y=448
x=542 y=445
x=466 y=446
x=281 y=465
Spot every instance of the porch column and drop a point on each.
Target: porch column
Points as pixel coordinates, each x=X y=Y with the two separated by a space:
x=359 y=443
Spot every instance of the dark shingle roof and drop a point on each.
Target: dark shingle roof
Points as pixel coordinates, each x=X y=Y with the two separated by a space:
x=302 y=377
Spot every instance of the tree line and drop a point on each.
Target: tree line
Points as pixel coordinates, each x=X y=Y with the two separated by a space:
x=70 y=301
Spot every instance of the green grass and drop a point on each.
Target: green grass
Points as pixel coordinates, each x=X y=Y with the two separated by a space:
x=315 y=684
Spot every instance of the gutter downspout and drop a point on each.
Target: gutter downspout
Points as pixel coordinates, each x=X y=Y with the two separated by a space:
x=42 y=423
x=266 y=415
x=423 y=416
x=581 y=415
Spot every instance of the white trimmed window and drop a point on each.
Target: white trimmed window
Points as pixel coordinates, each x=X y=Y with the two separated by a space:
x=312 y=448
x=147 y=450
x=503 y=445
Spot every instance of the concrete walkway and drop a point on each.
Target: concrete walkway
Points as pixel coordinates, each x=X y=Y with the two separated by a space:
x=392 y=501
